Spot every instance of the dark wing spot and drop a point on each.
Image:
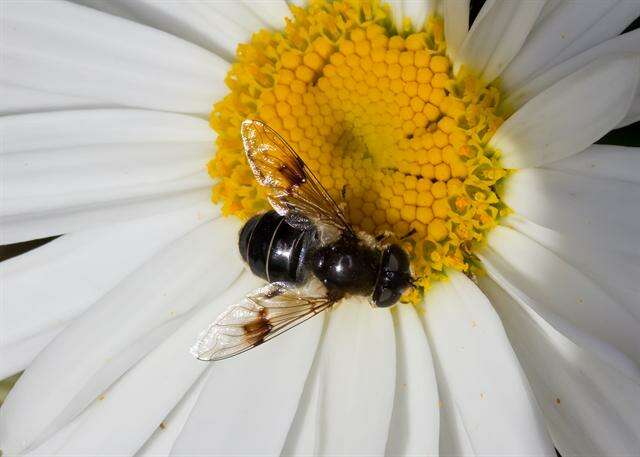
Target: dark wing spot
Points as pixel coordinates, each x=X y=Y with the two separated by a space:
x=294 y=177
x=258 y=330
x=260 y=326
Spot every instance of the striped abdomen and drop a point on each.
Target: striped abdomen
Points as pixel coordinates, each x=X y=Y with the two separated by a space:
x=274 y=250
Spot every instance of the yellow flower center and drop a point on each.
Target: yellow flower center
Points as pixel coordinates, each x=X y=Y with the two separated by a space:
x=379 y=117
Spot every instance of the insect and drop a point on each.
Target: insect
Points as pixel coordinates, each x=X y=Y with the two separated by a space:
x=305 y=248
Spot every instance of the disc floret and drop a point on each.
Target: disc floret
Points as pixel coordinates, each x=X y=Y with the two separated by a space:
x=378 y=116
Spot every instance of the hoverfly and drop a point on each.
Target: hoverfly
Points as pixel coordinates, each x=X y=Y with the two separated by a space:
x=305 y=248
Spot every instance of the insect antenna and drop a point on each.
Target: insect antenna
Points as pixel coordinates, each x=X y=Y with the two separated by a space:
x=408 y=234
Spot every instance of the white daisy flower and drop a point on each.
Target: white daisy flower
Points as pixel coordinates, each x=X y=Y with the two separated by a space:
x=525 y=332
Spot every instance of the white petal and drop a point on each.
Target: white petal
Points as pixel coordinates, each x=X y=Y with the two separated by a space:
x=456 y=24
x=304 y=434
x=250 y=401
x=549 y=8
x=216 y=26
x=17 y=99
x=136 y=404
x=45 y=288
x=418 y=11
x=608 y=26
x=634 y=112
x=51 y=446
x=163 y=439
x=518 y=96
x=72 y=50
x=603 y=161
x=115 y=332
x=186 y=192
x=569 y=116
x=561 y=294
x=160 y=442
x=488 y=390
x=270 y=12
x=590 y=407
x=397 y=13
x=598 y=210
x=455 y=441
x=15 y=357
x=50 y=179
x=57 y=178
x=58 y=130
x=613 y=268
x=561 y=27
x=496 y=36
x=415 y=421
x=357 y=381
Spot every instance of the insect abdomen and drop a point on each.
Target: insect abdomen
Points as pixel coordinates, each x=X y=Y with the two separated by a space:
x=273 y=249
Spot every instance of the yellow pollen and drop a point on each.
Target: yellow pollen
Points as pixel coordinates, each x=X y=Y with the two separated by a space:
x=375 y=113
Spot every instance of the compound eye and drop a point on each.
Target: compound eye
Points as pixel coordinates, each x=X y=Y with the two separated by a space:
x=395 y=259
x=383 y=297
x=393 y=277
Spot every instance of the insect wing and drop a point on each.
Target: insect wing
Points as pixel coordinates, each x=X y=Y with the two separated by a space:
x=261 y=316
x=294 y=191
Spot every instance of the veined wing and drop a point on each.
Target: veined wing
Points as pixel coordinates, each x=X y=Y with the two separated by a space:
x=264 y=314
x=294 y=191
